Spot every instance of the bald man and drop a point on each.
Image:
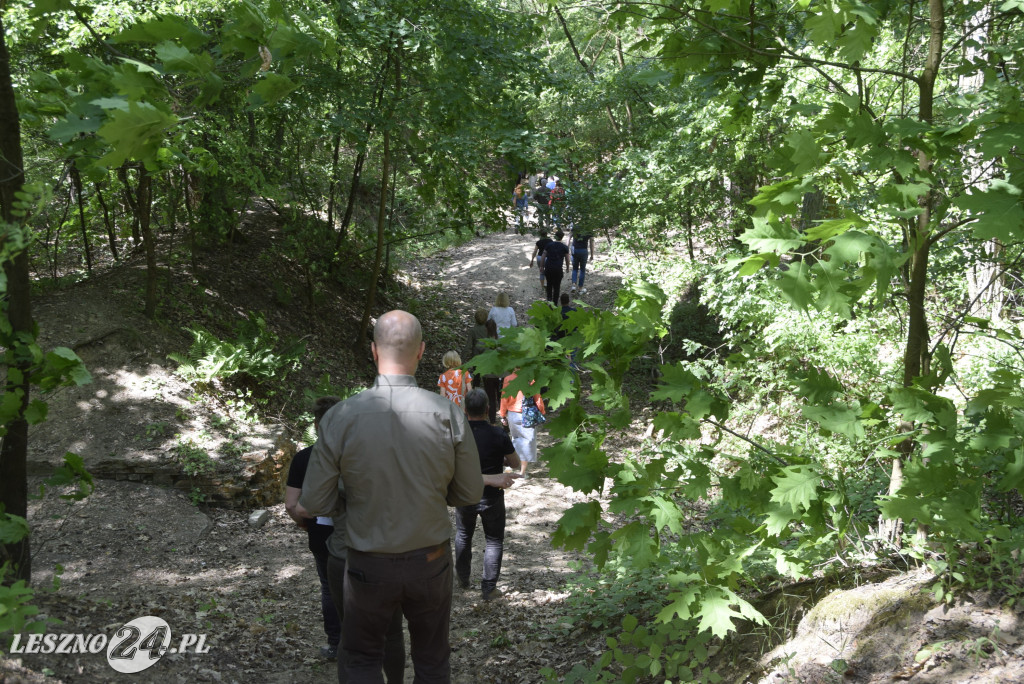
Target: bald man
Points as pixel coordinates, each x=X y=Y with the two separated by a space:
x=395 y=457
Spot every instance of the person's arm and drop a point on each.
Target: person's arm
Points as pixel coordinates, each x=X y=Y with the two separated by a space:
x=467 y=484
x=593 y=253
x=320 y=487
x=539 y=400
x=291 y=504
x=512 y=460
x=568 y=264
x=501 y=480
x=515 y=322
x=534 y=255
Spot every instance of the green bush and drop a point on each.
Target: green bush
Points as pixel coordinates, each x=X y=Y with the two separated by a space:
x=252 y=356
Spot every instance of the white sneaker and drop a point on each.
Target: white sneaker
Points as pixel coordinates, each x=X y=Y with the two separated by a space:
x=583 y=290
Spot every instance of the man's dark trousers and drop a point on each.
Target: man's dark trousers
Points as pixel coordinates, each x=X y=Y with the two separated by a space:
x=554 y=278
x=491 y=511
x=394 y=648
x=420 y=583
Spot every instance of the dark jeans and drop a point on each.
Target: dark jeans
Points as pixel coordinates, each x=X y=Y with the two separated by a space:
x=492 y=385
x=394 y=640
x=492 y=514
x=419 y=583
x=554 y=283
x=318 y=535
x=579 y=265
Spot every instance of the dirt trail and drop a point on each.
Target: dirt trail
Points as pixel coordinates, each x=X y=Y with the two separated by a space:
x=134 y=549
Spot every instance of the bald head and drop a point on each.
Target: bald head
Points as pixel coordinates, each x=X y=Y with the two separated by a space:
x=397 y=343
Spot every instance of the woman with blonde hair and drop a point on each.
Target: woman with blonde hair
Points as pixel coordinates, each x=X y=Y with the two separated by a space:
x=524 y=438
x=502 y=314
x=454 y=382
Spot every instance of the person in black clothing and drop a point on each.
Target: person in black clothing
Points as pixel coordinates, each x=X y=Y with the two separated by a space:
x=318 y=530
x=496 y=452
x=567 y=308
x=556 y=263
x=538 y=252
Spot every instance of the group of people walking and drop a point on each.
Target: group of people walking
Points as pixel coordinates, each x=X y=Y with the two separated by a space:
x=373 y=491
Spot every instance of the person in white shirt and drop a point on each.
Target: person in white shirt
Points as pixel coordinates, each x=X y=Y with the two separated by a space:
x=502 y=314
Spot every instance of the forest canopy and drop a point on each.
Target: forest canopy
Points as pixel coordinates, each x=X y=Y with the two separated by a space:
x=819 y=204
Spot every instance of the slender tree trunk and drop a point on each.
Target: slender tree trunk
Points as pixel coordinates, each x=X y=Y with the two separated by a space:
x=915 y=355
x=76 y=182
x=334 y=181
x=111 y=234
x=144 y=203
x=14 y=448
x=371 y=294
x=586 y=69
x=129 y=197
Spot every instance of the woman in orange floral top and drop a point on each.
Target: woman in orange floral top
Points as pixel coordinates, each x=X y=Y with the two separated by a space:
x=524 y=439
x=454 y=382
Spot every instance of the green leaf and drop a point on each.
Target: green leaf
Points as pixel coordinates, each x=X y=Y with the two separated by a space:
x=716 y=612
x=844 y=420
x=796 y=486
x=998 y=211
x=271 y=88
x=769 y=235
x=135 y=134
x=13 y=528
x=576 y=525
x=178 y=59
x=1014 y=477
x=807 y=152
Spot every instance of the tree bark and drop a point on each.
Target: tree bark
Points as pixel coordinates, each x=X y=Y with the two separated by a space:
x=111 y=236
x=915 y=354
x=382 y=210
x=145 y=206
x=76 y=182
x=14 y=449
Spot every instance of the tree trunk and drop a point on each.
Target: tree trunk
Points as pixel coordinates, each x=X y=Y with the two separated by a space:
x=145 y=213
x=382 y=210
x=76 y=182
x=111 y=235
x=14 y=449
x=334 y=181
x=915 y=354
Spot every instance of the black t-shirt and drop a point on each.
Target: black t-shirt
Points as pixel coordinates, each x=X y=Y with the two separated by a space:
x=556 y=252
x=560 y=332
x=296 y=474
x=581 y=242
x=493 y=445
x=542 y=244
x=542 y=194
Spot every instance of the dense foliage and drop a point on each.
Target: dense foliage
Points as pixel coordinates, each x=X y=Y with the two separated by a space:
x=819 y=203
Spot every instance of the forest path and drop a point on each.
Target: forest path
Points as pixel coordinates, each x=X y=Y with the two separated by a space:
x=498 y=641
x=133 y=549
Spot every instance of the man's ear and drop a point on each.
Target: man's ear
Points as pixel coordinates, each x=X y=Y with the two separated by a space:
x=373 y=350
x=423 y=347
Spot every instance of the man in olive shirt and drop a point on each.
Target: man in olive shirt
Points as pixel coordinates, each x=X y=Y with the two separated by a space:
x=401 y=455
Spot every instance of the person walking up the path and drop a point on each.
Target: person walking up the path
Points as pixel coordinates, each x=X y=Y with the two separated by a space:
x=582 y=248
x=538 y=251
x=327 y=541
x=399 y=455
x=496 y=452
x=542 y=198
x=454 y=382
x=477 y=334
x=520 y=202
x=557 y=203
x=318 y=531
x=502 y=313
x=492 y=382
x=555 y=263
x=524 y=439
